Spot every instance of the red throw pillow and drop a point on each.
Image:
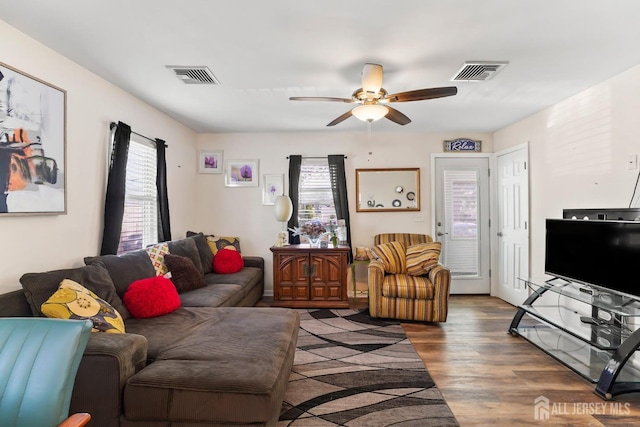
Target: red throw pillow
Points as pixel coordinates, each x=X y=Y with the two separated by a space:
x=151 y=297
x=227 y=261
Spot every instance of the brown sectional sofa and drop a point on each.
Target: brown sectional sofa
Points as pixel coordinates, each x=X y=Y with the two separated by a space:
x=215 y=361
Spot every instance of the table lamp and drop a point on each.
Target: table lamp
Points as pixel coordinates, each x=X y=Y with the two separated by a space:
x=282 y=209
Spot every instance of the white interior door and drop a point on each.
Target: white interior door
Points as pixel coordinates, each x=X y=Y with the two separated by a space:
x=461 y=213
x=513 y=223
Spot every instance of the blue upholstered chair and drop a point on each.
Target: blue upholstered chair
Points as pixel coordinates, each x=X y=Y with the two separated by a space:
x=39 y=359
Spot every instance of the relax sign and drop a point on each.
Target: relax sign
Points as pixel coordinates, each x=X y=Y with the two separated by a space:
x=462 y=144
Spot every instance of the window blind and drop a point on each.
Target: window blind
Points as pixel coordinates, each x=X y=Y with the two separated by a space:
x=461 y=222
x=140 y=220
x=315 y=201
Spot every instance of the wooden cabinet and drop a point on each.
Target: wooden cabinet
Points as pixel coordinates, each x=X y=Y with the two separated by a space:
x=310 y=277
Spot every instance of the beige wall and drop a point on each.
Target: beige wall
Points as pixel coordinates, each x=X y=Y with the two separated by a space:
x=579 y=150
x=39 y=243
x=239 y=211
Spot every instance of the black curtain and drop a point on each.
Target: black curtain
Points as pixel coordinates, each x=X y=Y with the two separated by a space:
x=164 y=225
x=339 y=188
x=295 y=165
x=116 y=186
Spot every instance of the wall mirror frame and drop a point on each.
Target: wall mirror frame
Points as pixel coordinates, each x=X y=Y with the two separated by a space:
x=388 y=190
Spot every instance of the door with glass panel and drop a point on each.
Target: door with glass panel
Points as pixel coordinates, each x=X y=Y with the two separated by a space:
x=461 y=221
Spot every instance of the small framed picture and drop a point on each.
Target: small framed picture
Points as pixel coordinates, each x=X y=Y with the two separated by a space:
x=241 y=173
x=210 y=162
x=272 y=187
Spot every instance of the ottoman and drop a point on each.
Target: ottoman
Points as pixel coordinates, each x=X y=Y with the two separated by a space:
x=212 y=366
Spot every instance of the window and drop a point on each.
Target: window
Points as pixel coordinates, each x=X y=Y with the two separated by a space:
x=315 y=200
x=140 y=219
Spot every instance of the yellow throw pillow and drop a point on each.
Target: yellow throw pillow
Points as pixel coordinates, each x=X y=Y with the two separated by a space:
x=216 y=243
x=74 y=301
x=392 y=256
x=421 y=258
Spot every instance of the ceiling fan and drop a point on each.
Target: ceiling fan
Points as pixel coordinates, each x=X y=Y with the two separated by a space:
x=373 y=100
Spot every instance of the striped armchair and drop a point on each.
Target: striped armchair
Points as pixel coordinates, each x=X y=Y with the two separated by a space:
x=407 y=296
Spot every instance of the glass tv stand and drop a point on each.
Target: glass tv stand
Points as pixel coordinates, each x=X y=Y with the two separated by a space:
x=590 y=330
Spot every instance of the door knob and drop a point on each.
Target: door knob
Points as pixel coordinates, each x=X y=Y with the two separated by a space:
x=500 y=234
x=440 y=233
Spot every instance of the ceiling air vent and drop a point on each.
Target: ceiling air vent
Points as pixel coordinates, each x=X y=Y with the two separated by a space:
x=478 y=71
x=199 y=75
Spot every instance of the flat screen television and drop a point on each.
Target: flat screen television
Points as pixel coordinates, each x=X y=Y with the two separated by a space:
x=601 y=253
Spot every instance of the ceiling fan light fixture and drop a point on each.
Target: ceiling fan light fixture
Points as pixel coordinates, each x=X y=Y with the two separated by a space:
x=370 y=112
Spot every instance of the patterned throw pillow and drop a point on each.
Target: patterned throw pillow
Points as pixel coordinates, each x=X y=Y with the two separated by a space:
x=156 y=255
x=421 y=258
x=184 y=273
x=216 y=243
x=151 y=297
x=392 y=255
x=74 y=301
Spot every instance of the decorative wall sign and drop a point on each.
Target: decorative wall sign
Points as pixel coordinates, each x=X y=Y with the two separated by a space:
x=241 y=173
x=210 y=161
x=32 y=145
x=462 y=144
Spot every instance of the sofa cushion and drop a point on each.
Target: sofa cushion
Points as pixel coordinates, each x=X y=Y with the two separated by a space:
x=126 y=268
x=421 y=258
x=392 y=255
x=151 y=297
x=74 y=301
x=248 y=276
x=184 y=274
x=186 y=248
x=407 y=286
x=220 y=295
x=156 y=255
x=38 y=287
x=225 y=360
x=206 y=256
x=227 y=261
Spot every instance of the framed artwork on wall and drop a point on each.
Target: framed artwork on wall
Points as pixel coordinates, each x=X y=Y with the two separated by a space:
x=32 y=145
x=272 y=187
x=210 y=161
x=241 y=173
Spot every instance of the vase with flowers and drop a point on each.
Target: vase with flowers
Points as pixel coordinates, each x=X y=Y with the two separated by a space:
x=313 y=231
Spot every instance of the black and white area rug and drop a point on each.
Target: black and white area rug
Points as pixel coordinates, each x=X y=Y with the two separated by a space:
x=353 y=370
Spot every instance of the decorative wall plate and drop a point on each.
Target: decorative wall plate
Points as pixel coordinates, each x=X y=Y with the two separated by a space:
x=399 y=189
x=411 y=195
x=396 y=203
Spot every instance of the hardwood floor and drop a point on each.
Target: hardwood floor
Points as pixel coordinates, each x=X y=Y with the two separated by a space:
x=489 y=377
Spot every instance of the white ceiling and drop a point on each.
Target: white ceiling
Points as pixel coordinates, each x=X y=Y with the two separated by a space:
x=263 y=52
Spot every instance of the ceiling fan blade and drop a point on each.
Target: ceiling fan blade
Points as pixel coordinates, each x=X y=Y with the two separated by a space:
x=372 y=78
x=420 y=94
x=397 y=117
x=341 y=119
x=320 y=98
